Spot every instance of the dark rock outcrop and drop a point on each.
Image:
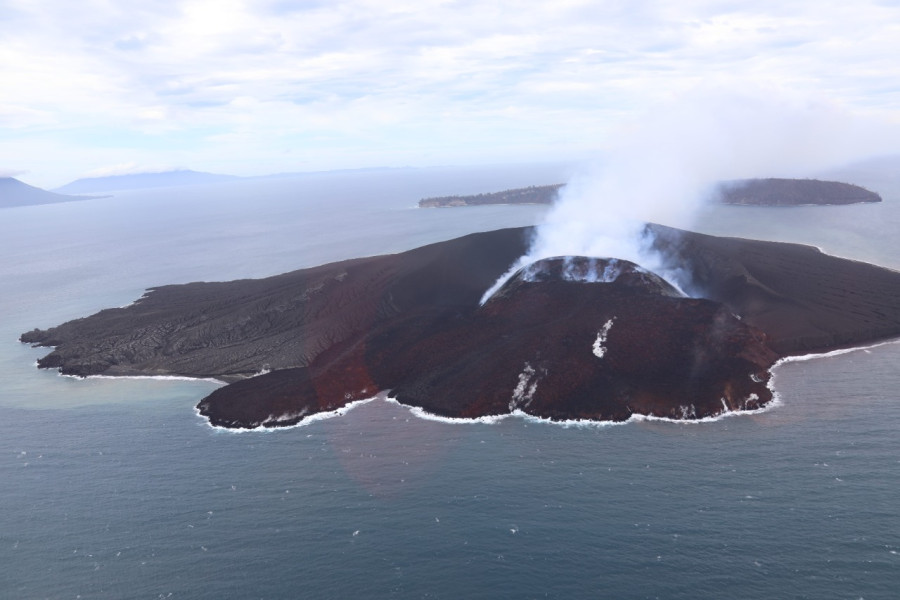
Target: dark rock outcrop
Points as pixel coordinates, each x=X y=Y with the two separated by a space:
x=564 y=338
x=791 y=192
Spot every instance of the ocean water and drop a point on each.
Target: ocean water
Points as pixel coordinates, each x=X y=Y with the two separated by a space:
x=116 y=488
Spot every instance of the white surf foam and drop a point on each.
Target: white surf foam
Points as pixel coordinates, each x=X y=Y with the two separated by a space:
x=421 y=413
x=157 y=377
x=776 y=397
x=711 y=418
x=306 y=421
x=814 y=356
x=568 y=423
x=133 y=302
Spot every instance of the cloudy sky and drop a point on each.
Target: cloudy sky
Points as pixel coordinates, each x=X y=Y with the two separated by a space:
x=254 y=87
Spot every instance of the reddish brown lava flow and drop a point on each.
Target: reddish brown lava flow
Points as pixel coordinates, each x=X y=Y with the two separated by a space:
x=568 y=338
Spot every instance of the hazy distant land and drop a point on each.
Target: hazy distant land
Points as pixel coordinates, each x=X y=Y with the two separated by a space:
x=16 y=193
x=748 y=192
x=181 y=177
x=136 y=181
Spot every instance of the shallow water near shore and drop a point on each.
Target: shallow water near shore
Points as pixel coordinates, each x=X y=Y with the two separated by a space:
x=116 y=488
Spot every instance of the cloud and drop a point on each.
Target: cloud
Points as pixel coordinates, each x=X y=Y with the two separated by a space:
x=22 y=117
x=538 y=77
x=129 y=168
x=11 y=172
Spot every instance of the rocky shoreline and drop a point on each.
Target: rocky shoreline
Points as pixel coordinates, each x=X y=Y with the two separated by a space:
x=568 y=338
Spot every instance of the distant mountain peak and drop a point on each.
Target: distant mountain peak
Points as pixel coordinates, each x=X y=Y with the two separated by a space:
x=135 y=181
x=17 y=193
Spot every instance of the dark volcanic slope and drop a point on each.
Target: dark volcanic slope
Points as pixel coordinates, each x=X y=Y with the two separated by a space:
x=792 y=192
x=568 y=349
x=235 y=329
x=805 y=300
x=573 y=338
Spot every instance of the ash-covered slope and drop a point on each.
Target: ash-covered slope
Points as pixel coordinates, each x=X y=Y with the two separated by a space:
x=236 y=329
x=807 y=301
x=565 y=338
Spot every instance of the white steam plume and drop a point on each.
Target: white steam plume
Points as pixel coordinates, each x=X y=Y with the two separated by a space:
x=661 y=169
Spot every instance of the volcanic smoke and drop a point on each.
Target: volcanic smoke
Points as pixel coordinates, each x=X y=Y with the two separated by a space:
x=662 y=169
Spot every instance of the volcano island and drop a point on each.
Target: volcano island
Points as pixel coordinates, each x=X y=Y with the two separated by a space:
x=564 y=338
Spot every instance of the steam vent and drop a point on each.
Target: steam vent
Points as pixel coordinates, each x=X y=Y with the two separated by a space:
x=564 y=338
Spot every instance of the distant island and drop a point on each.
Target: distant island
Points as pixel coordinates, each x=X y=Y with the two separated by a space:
x=17 y=193
x=746 y=192
x=541 y=194
x=565 y=338
x=792 y=192
x=136 y=181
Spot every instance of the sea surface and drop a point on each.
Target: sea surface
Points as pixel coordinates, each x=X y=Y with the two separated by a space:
x=116 y=488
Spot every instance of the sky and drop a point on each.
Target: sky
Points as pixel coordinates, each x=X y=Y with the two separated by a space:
x=102 y=87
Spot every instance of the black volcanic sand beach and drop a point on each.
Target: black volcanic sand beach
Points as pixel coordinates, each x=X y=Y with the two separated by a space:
x=319 y=338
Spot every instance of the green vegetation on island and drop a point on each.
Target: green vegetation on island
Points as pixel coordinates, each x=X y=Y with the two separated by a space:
x=535 y=194
x=746 y=192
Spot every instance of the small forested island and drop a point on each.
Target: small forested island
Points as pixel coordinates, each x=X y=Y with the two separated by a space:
x=565 y=338
x=792 y=192
x=540 y=194
x=746 y=192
